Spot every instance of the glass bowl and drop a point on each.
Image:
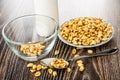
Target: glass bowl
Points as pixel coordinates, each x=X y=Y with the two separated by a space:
x=31 y=30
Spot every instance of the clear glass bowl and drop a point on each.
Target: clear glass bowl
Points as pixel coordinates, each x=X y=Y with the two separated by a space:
x=30 y=28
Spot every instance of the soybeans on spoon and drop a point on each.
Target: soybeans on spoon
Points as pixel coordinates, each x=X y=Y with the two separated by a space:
x=114 y=50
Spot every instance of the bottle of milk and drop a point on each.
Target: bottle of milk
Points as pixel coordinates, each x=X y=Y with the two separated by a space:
x=48 y=8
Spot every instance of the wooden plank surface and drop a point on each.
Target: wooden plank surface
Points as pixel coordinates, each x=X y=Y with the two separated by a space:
x=100 y=68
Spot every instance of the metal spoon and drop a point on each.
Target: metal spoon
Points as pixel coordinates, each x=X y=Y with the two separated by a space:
x=114 y=50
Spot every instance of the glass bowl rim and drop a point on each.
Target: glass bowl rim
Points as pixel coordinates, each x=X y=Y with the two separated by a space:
x=20 y=43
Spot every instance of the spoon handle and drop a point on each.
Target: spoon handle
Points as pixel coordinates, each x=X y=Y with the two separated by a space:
x=103 y=53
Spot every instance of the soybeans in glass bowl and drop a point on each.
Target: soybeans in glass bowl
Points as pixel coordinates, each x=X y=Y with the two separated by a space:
x=31 y=37
x=86 y=32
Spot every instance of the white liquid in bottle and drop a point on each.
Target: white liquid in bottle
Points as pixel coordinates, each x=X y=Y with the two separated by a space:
x=48 y=8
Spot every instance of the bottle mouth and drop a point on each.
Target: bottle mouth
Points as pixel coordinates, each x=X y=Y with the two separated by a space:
x=32 y=15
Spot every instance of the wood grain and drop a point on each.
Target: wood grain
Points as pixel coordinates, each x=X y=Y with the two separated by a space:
x=99 y=68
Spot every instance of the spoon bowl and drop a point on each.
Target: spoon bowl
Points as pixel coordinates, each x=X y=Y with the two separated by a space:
x=47 y=62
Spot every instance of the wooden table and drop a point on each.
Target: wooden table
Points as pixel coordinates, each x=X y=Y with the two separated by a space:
x=98 y=68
